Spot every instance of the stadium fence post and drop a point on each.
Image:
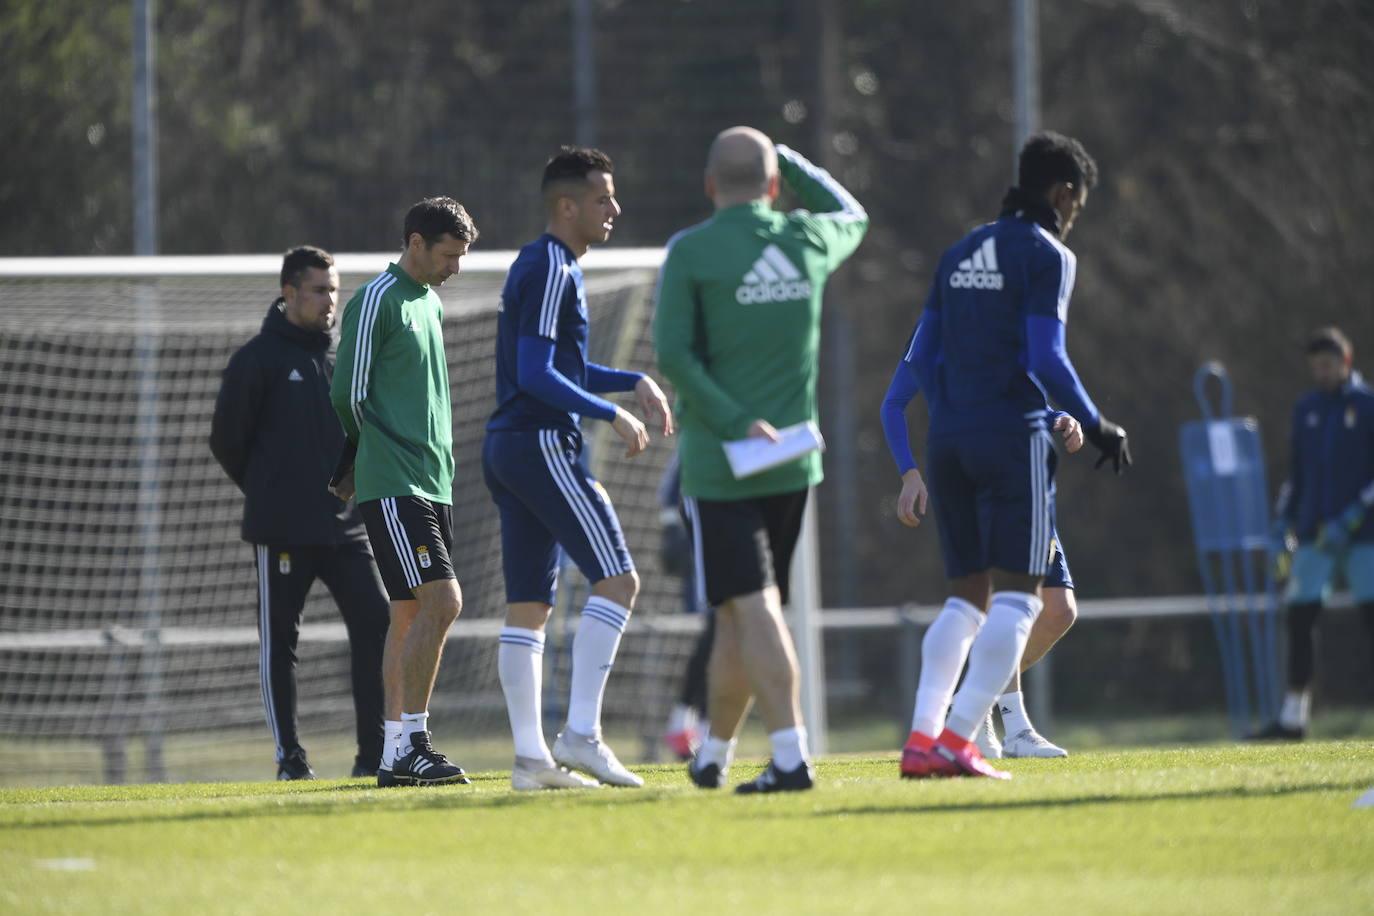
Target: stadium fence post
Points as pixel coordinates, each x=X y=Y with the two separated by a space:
x=804 y=613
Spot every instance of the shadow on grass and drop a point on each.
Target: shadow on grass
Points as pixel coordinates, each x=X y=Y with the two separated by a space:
x=369 y=799
x=1076 y=800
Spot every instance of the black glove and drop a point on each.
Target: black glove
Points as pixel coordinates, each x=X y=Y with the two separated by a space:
x=1110 y=440
x=346 y=459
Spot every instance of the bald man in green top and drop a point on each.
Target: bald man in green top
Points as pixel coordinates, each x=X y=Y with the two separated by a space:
x=737 y=330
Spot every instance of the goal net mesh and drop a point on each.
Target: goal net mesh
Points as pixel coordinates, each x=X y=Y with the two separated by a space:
x=127 y=601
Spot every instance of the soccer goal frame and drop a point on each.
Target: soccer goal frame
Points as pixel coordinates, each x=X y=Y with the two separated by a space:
x=145 y=640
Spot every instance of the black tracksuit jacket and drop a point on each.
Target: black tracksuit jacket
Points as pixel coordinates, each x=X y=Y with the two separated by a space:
x=277 y=436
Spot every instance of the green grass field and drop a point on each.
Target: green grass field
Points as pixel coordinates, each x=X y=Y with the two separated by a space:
x=1233 y=829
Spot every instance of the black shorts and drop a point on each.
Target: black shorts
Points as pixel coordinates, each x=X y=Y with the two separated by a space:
x=743 y=546
x=412 y=539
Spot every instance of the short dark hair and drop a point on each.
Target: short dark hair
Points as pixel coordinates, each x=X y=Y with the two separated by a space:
x=1049 y=157
x=298 y=260
x=435 y=216
x=572 y=164
x=1329 y=340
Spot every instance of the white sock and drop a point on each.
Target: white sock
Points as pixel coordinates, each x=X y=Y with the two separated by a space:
x=1012 y=706
x=716 y=750
x=680 y=718
x=520 y=666
x=1297 y=707
x=391 y=742
x=992 y=658
x=594 y=648
x=411 y=722
x=943 y=651
x=789 y=748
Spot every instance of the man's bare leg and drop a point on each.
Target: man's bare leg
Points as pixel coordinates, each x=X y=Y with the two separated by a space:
x=439 y=604
x=729 y=697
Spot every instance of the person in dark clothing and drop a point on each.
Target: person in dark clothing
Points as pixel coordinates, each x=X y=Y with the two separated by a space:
x=677 y=557
x=1325 y=514
x=276 y=435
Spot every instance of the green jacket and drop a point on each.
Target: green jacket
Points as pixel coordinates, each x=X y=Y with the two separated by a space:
x=737 y=325
x=390 y=390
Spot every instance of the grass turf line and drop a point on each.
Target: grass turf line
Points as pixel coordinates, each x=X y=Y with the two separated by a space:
x=1218 y=829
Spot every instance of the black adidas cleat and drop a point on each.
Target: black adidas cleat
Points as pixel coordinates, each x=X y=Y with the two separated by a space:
x=386 y=779
x=424 y=766
x=1277 y=731
x=774 y=780
x=710 y=776
x=294 y=766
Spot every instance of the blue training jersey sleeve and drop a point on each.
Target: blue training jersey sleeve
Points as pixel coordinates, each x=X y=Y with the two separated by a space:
x=1048 y=360
x=1049 y=285
x=539 y=378
x=542 y=290
x=1049 y=277
x=900 y=393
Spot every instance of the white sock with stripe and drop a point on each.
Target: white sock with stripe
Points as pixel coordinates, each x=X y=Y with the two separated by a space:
x=594 y=647
x=993 y=658
x=1012 y=706
x=411 y=722
x=520 y=666
x=943 y=652
x=391 y=742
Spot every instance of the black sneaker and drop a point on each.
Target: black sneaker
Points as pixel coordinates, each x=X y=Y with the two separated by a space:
x=710 y=776
x=295 y=766
x=774 y=780
x=386 y=779
x=1277 y=731
x=362 y=771
x=424 y=766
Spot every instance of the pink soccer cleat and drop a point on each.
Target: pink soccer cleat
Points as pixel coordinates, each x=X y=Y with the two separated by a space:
x=952 y=755
x=916 y=762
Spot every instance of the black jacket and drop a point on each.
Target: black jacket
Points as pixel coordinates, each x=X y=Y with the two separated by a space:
x=277 y=436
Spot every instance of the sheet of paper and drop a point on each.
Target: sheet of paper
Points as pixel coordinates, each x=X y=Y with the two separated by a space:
x=750 y=456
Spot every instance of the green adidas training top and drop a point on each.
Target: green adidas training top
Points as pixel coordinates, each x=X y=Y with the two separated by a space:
x=737 y=325
x=390 y=390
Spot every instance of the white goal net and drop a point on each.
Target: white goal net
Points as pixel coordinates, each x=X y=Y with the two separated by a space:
x=127 y=600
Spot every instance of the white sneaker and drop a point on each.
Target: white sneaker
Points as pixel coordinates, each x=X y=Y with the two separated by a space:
x=530 y=775
x=986 y=739
x=590 y=754
x=1030 y=743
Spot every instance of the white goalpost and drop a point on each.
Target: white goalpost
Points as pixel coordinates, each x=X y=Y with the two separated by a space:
x=127 y=600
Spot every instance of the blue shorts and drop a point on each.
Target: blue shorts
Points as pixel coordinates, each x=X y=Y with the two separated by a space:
x=1314 y=573
x=1059 y=575
x=547 y=499
x=993 y=497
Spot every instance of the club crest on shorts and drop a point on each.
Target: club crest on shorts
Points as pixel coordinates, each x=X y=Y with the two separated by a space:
x=1350 y=417
x=284 y=564
x=423 y=553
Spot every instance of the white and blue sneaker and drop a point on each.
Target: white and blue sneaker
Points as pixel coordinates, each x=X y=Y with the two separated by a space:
x=986 y=739
x=590 y=754
x=1030 y=743
x=531 y=775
